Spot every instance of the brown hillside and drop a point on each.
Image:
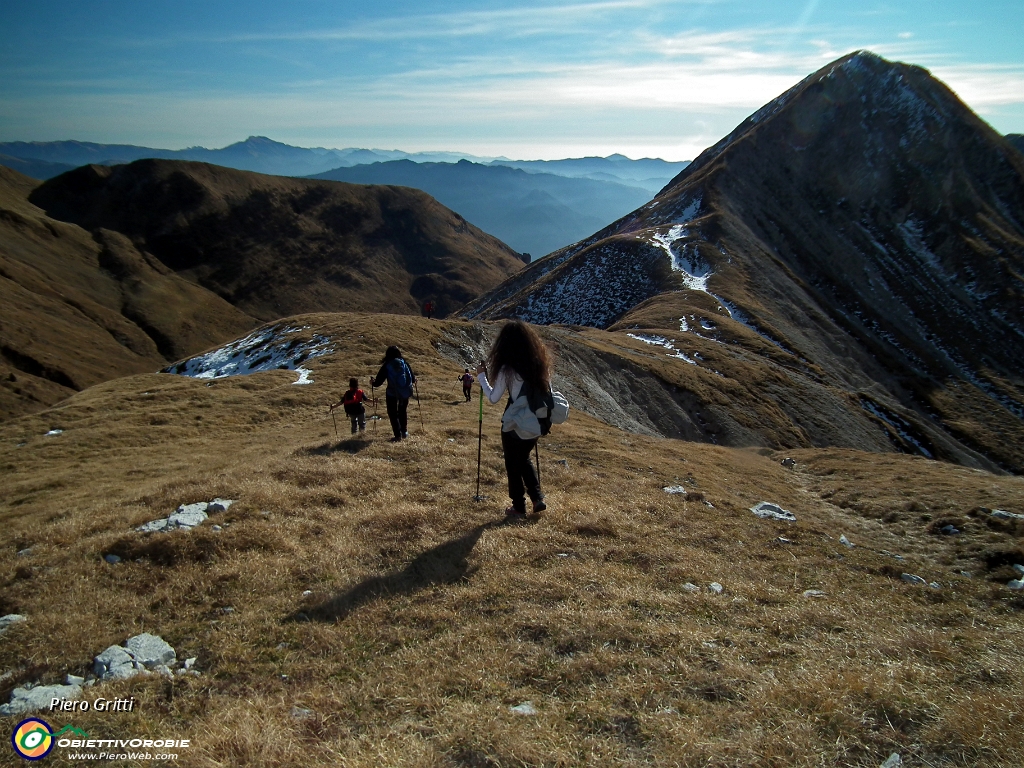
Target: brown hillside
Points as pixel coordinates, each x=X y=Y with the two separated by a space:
x=863 y=234
x=355 y=607
x=276 y=246
x=77 y=309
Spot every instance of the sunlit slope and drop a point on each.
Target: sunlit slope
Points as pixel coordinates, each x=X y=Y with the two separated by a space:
x=358 y=607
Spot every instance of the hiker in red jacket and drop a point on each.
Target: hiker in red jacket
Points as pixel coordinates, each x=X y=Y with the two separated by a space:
x=428 y=307
x=353 y=401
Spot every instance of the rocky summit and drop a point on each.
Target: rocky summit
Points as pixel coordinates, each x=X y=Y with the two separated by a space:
x=861 y=236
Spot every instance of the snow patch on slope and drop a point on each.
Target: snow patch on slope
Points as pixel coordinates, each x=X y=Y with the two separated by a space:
x=266 y=349
x=661 y=341
x=685 y=260
x=901 y=426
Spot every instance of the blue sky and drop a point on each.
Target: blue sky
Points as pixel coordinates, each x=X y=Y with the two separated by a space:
x=524 y=80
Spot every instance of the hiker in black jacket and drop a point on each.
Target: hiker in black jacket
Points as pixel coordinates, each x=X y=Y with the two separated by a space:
x=518 y=355
x=400 y=379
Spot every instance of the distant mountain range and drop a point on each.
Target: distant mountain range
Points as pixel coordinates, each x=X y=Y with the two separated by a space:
x=108 y=271
x=847 y=264
x=536 y=206
x=651 y=174
x=534 y=212
x=257 y=153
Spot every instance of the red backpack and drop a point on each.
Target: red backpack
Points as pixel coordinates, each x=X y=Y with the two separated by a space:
x=353 y=401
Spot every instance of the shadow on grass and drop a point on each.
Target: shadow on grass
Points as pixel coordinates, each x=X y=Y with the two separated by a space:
x=446 y=563
x=351 y=446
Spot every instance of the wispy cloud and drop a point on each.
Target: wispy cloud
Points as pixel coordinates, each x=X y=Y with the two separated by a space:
x=659 y=84
x=520 y=21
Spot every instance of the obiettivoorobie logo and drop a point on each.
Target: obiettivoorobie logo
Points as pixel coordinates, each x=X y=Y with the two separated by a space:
x=34 y=738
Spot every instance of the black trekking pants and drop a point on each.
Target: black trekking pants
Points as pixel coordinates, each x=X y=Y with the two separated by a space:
x=522 y=477
x=467 y=391
x=398 y=415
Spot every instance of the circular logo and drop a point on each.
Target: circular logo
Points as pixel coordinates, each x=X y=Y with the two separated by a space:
x=32 y=739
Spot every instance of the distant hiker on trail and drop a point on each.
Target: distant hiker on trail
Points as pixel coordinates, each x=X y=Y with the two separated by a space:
x=467 y=384
x=400 y=379
x=428 y=308
x=353 y=401
x=518 y=355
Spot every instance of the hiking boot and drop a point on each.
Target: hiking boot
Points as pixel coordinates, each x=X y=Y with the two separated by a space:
x=515 y=514
x=539 y=506
x=405 y=435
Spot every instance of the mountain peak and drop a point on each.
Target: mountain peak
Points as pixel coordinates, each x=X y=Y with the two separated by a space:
x=861 y=90
x=865 y=209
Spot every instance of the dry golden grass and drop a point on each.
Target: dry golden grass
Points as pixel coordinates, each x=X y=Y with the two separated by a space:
x=429 y=617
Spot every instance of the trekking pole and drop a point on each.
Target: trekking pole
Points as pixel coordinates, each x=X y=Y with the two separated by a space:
x=479 y=445
x=419 y=406
x=374 y=396
x=335 y=420
x=536 y=454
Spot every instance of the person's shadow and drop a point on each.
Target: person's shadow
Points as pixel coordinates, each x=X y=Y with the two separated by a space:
x=446 y=563
x=352 y=446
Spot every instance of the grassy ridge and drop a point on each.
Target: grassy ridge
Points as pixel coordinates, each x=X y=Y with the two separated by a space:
x=428 y=617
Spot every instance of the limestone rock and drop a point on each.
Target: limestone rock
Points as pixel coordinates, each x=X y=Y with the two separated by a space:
x=188 y=515
x=35 y=698
x=149 y=650
x=1002 y=514
x=115 y=663
x=7 y=621
x=153 y=526
x=768 y=511
x=912 y=579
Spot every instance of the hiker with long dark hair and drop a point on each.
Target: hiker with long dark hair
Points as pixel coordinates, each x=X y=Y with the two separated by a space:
x=518 y=356
x=400 y=379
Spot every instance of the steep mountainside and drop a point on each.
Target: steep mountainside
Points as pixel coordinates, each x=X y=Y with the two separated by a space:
x=535 y=213
x=77 y=309
x=274 y=246
x=862 y=235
